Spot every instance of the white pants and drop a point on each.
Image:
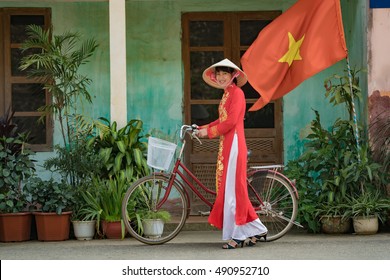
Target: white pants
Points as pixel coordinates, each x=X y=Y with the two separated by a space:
x=230 y=230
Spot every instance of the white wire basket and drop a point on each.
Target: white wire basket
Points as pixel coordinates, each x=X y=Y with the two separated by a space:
x=160 y=153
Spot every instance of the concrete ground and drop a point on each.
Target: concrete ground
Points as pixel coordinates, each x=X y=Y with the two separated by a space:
x=206 y=245
x=198 y=255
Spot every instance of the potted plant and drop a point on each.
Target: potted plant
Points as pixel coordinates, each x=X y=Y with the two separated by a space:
x=16 y=167
x=122 y=160
x=366 y=209
x=85 y=212
x=153 y=222
x=326 y=171
x=53 y=201
x=334 y=218
x=105 y=204
x=369 y=203
x=15 y=220
x=81 y=164
x=148 y=220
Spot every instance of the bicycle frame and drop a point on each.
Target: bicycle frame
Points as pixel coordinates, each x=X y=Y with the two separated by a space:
x=177 y=172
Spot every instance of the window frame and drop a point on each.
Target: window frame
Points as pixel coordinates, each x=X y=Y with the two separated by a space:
x=6 y=78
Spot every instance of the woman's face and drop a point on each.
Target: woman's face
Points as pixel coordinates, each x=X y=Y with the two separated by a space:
x=223 y=78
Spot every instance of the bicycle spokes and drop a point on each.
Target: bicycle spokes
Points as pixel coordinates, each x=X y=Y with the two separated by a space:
x=151 y=198
x=274 y=201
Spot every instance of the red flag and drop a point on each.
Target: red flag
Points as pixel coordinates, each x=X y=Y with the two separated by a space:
x=301 y=42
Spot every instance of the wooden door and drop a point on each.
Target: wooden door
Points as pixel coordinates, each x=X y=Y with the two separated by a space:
x=207 y=39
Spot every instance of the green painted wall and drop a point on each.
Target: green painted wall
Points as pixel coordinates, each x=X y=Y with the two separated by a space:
x=92 y=21
x=154 y=65
x=155 y=73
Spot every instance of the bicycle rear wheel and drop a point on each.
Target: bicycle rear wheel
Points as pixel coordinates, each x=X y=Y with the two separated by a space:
x=144 y=201
x=274 y=200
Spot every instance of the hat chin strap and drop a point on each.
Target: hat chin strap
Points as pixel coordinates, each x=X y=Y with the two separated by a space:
x=235 y=75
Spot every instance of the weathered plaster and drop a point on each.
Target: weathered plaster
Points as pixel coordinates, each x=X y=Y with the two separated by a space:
x=154 y=60
x=379 y=64
x=378 y=77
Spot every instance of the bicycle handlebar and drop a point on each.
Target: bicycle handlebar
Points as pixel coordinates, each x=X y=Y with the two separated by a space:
x=190 y=130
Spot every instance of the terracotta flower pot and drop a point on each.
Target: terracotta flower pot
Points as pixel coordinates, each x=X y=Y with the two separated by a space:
x=15 y=226
x=112 y=230
x=52 y=227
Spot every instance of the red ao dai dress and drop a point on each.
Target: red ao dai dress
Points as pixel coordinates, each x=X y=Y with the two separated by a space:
x=232 y=211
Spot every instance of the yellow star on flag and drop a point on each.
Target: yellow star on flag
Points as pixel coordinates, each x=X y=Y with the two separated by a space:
x=293 y=50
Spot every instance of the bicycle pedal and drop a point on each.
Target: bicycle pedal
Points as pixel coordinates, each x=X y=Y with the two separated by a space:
x=204 y=213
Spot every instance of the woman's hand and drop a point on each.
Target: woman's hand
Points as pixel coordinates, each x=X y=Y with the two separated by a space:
x=202 y=133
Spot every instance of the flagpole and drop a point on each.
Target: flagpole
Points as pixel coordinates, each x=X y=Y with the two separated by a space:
x=353 y=110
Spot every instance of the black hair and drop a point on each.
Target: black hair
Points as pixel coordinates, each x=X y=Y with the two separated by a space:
x=227 y=70
x=224 y=69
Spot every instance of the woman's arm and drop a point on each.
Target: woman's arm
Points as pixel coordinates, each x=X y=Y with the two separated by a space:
x=234 y=106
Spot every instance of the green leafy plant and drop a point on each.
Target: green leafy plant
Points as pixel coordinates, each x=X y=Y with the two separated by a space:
x=327 y=173
x=16 y=166
x=338 y=90
x=85 y=207
x=103 y=201
x=368 y=174
x=156 y=215
x=121 y=150
x=369 y=203
x=308 y=191
x=91 y=210
x=333 y=209
x=12 y=201
x=111 y=195
x=331 y=155
x=50 y=195
x=77 y=164
x=144 y=202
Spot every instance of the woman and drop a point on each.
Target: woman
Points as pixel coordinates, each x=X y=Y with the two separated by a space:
x=232 y=211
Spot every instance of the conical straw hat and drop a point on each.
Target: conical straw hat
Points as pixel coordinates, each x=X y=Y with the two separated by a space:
x=209 y=74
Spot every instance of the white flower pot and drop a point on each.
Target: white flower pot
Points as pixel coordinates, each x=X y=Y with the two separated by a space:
x=84 y=230
x=153 y=228
x=365 y=225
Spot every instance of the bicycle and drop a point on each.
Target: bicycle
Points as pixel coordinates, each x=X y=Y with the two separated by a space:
x=273 y=196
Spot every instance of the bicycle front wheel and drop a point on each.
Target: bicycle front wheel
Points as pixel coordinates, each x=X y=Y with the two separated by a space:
x=153 y=213
x=274 y=200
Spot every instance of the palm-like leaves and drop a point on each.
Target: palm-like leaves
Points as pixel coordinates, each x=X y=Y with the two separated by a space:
x=56 y=63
